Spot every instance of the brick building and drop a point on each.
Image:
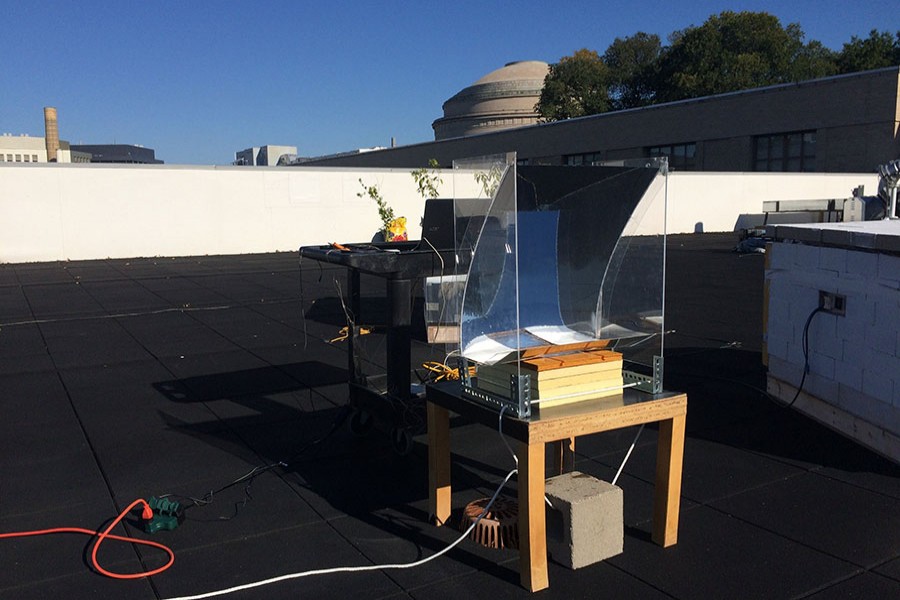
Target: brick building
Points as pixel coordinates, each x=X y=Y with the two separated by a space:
x=845 y=123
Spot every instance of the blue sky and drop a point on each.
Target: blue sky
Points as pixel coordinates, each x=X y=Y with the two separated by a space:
x=198 y=80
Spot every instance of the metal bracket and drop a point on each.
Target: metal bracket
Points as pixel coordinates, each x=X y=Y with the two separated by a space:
x=518 y=402
x=651 y=384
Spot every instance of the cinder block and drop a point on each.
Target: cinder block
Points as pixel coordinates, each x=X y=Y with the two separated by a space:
x=848 y=374
x=889 y=270
x=585 y=524
x=878 y=385
x=862 y=265
x=833 y=260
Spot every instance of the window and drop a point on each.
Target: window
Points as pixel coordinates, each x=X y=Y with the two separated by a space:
x=2 y=158
x=9 y=158
x=34 y=158
x=682 y=157
x=18 y=158
x=577 y=160
x=27 y=158
x=786 y=152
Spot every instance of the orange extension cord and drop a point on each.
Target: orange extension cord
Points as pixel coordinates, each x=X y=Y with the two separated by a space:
x=104 y=535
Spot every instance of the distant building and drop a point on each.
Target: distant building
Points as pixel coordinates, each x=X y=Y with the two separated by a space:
x=264 y=156
x=22 y=148
x=845 y=123
x=501 y=99
x=32 y=149
x=119 y=153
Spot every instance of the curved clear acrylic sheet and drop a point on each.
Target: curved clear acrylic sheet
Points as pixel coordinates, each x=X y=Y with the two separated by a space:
x=564 y=255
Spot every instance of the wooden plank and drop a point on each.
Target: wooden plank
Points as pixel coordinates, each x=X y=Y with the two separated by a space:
x=532 y=518
x=667 y=491
x=563 y=453
x=439 y=491
x=576 y=423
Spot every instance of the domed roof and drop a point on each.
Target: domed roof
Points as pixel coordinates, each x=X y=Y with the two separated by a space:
x=501 y=99
x=518 y=70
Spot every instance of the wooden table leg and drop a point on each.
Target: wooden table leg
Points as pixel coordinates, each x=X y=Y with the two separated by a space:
x=563 y=452
x=438 y=463
x=667 y=493
x=532 y=518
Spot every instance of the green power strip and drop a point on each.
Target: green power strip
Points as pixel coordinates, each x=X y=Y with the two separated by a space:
x=167 y=515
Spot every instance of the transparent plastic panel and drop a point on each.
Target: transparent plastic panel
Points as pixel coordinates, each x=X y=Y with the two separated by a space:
x=631 y=304
x=570 y=257
x=475 y=183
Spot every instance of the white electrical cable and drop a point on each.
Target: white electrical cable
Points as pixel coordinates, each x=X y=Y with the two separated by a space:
x=628 y=454
x=503 y=437
x=417 y=563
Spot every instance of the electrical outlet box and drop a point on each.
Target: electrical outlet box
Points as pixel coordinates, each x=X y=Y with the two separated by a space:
x=833 y=303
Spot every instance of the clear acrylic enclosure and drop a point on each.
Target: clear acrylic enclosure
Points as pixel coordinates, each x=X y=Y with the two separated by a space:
x=475 y=181
x=562 y=259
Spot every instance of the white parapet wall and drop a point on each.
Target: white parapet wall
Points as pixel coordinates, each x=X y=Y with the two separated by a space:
x=707 y=202
x=853 y=378
x=86 y=211
x=69 y=212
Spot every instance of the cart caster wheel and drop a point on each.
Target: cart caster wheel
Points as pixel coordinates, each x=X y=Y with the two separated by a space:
x=401 y=440
x=361 y=422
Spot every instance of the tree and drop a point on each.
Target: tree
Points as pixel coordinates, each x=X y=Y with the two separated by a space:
x=427 y=179
x=574 y=87
x=730 y=51
x=632 y=64
x=813 y=60
x=880 y=49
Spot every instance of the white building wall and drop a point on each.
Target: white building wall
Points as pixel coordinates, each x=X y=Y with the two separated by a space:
x=716 y=201
x=853 y=383
x=60 y=211
x=69 y=212
x=22 y=148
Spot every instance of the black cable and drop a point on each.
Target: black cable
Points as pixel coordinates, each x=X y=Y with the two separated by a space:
x=805 y=353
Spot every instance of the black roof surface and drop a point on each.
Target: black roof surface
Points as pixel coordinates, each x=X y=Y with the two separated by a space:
x=122 y=379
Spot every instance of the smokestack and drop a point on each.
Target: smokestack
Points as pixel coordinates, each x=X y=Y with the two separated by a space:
x=51 y=133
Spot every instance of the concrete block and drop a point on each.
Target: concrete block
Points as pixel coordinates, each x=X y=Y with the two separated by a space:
x=833 y=260
x=585 y=524
x=888 y=243
x=882 y=340
x=889 y=270
x=863 y=239
x=862 y=265
x=822 y=365
x=822 y=388
x=837 y=237
x=805 y=257
x=878 y=384
x=848 y=374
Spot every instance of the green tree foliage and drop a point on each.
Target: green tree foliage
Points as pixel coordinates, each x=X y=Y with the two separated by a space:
x=812 y=61
x=632 y=63
x=427 y=179
x=575 y=86
x=730 y=51
x=880 y=49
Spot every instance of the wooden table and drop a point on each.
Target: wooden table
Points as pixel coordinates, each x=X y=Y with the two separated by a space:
x=559 y=426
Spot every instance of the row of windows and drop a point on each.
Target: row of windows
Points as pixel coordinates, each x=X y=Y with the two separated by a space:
x=682 y=157
x=794 y=152
x=786 y=152
x=577 y=160
x=18 y=157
